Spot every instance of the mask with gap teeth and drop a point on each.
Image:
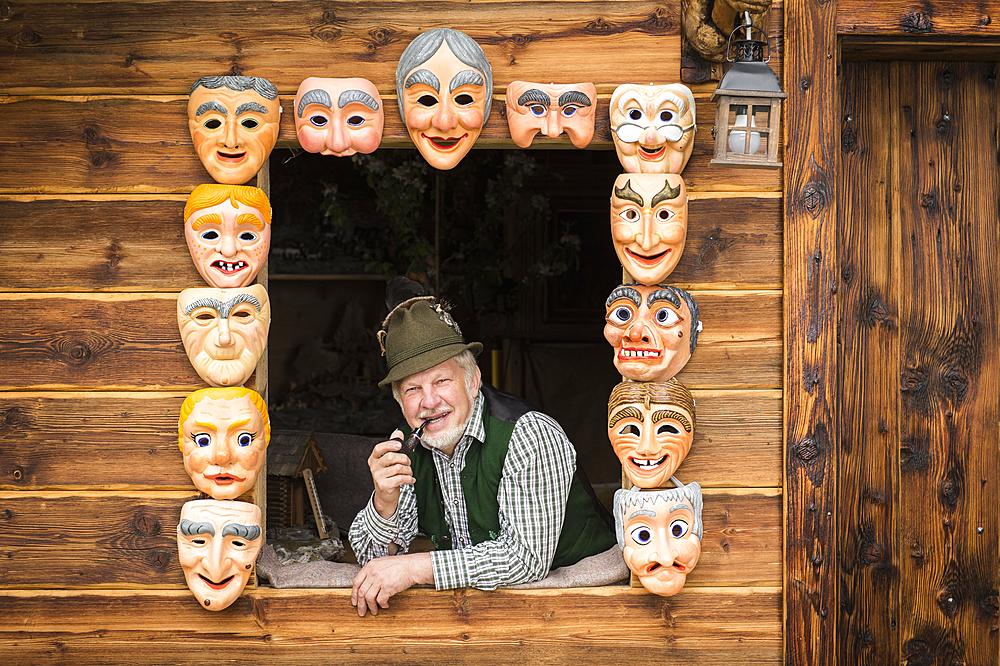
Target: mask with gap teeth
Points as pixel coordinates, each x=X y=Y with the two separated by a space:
x=228 y=232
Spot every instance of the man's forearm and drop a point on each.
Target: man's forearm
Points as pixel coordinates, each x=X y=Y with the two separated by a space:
x=374 y=535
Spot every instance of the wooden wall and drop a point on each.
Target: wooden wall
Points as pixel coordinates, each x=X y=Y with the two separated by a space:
x=95 y=164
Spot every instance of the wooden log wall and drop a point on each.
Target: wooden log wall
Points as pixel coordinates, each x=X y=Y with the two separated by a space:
x=95 y=165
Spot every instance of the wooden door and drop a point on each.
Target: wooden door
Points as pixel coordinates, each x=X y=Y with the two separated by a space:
x=918 y=479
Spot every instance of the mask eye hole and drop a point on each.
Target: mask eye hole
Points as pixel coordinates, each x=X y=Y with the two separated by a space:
x=668 y=428
x=213 y=123
x=635 y=114
x=319 y=120
x=569 y=111
x=198 y=542
x=427 y=100
x=237 y=543
x=250 y=123
x=630 y=215
x=245 y=439
x=667 y=317
x=242 y=315
x=205 y=317
x=630 y=429
x=537 y=110
x=464 y=99
x=209 y=235
x=202 y=439
x=678 y=528
x=642 y=535
x=356 y=121
x=666 y=116
x=665 y=215
x=248 y=236
x=620 y=315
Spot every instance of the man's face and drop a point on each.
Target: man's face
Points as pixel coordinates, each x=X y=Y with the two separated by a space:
x=651 y=442
x=650 y=330
x=338 y=117
x=217 y=544
x=444 y=104
x=224 y=446
x=661 y=547
x=649 y=224
x=233 y=132
x=440 y=394
x=652 y=127
x=551 y=109
x=228 y=243
x=224 y=331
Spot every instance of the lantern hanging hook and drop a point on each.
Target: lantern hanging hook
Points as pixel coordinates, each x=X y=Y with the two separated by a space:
x=747 y=25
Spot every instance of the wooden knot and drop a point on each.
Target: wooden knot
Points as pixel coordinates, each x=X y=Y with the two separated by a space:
x=144 y=524
x=7 y=12
x=25 y=37
x=916 y=23
x=951 y=487
x=814 y=197
x=519 y=40
x=329 y=16
x=807 y=451
x=598 y=27
x=848 y=139
x=326 y=33
x=380 y=37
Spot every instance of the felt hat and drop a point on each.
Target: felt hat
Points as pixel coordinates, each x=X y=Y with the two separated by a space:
x=418 y=334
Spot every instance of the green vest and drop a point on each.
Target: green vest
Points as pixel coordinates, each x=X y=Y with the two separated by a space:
x=587 y=528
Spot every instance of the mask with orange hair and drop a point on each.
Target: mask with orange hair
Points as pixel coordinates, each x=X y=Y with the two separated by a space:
x=228 y=232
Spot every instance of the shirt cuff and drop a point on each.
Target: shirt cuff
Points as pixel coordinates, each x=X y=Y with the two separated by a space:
x=383 y=530
x=451 y=569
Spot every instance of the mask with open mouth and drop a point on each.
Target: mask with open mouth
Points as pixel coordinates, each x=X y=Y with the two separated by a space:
x=649 y=220
x=651 y=428
x=217 y=544
x=653 y=127
x=660 y=534
x=228 y=233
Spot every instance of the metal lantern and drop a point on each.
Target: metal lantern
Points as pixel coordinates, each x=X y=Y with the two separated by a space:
x=749 y=98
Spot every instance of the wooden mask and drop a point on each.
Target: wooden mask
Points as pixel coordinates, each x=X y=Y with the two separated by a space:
x=660 y=533
x=551 y=109
x=217 y=544
x=653 y=329
x=224 y=331
x=338 y=117
x=234 y=125
x=223 y=435
x=649 y=219
x=228 y=233
x=651 y=428
x=653 y=127
x=445 y=87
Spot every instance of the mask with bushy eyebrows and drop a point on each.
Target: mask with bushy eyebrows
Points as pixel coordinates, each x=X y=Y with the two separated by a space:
x=653 y=127
x=660 y=532
x=649 y=221
x=338 y=117
x=217 y=544
x=228 y=233
x=551 y=109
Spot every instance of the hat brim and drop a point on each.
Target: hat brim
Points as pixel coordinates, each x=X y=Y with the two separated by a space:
x=428 y=360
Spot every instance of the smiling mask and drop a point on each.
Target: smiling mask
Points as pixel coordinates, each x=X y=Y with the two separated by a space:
x=234 y=125
x=217 y=544
x=651 y=427
x=338 y=117
x=649 y=214
x=224 y=331
x=551 y=109
x=653 y=329
x=660 y=533
x=653 y=127
x=445 y=87
x=223 y=435
x=228 y=233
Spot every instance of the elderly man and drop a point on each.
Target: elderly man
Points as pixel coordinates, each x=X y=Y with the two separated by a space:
x=494 y=484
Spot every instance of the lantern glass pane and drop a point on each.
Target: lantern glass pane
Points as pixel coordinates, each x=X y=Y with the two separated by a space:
x=762 y=115
x=739 y=141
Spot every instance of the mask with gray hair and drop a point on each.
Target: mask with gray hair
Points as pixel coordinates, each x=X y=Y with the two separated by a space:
x=258 y=84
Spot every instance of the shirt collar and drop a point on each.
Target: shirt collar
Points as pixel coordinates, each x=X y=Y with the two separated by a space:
x=475 y=428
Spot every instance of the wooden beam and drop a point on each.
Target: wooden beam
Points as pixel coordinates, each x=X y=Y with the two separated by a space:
x=811 y=282
x=919 y=18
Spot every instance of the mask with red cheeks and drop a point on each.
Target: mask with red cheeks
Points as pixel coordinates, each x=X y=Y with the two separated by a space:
x=653 y=127
x=649 y=214
x=228 y=233
x=651 y=428
x=551 y=109
x=338 y=117
x=653 y=330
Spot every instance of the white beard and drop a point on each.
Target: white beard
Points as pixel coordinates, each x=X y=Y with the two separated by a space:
x=445 y=439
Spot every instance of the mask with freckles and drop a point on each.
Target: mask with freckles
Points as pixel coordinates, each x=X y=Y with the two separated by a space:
x=217 y=544
x=234 y=125
x=445 y=86
x=653 y=127
x=653 y=330
x=338 y=117
x=660 y=534
x=223 y=435
x=228 y=233
x=551 y=109
x=649 y=214
x=651 y=427
x=224 y=331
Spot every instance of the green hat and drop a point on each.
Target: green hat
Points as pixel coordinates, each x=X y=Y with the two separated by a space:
x=417 y=335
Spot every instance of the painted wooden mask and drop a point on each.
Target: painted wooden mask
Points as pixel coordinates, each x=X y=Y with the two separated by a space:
x=224 y=331
x=228 y=233
x=338 y=117
x=551 y=109
x=653 y=329
x=649 y=219
x=651 y=428
x=217 y=544
x=653 y=127
x=234 y=125
x=445 y=87
x=660 y=533
x=223 y=435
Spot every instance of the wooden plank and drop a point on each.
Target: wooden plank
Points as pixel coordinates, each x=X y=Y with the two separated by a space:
x=101 y=539
x=162 y=47
x=704 y=626
x=810 y=363
x=94 y=245
x=946 y=199
x=869 y=454
x=909 y=18
x=868 y=47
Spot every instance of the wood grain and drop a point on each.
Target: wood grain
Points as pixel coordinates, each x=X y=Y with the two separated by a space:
x=705 y=626
x=128 y=539
x=810 y=323
x=910 y=18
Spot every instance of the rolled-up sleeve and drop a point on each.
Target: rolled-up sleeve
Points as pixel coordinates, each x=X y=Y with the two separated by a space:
x=371 y=535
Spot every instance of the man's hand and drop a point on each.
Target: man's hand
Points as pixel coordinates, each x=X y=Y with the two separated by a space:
x=390 y=470
x=383 y=577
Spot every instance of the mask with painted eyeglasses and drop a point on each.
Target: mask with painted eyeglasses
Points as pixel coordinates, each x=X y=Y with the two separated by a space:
x=653 y=127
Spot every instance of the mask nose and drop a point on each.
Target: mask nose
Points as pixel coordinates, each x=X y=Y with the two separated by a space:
x=648 y=448
x=651 y=137
x=215 y=563
x=220 y=452
x=649 y=237
x=445 y=118
x=337 y=138
x=225 y=336
x=228 y=245
x=552 y=128
x=231 y=138
x=637 y=332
